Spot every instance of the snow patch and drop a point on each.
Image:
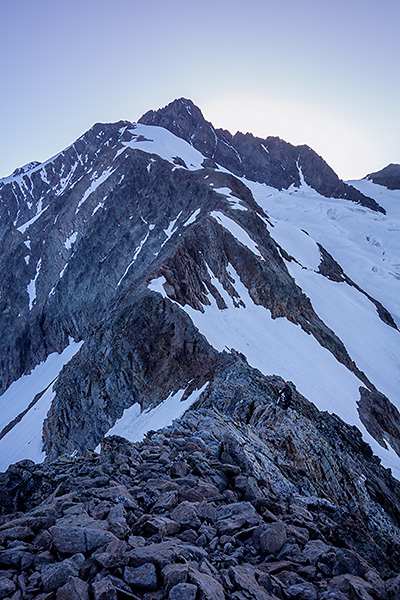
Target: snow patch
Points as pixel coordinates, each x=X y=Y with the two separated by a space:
x=157 y=140
x=97 y=181
x=31 y=288
x=192 y=218
x=134 y=424
x=237 y=231
x=69 y=242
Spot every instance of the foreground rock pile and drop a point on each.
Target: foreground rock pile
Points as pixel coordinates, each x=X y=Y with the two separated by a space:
x=187 y=514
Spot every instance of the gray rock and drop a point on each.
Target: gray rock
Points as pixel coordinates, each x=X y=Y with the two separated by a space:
x=185 y=514
x=57 y=575
x=244 y=578
x=180 y=468
x=72 y=539
x=347 y=561
x=183 y=591
x=7 y=587
x=115 y=555
x=117 y=521
x=393 y=588
x=166 y=502
x=14 y=557
x=302 y=591
x=273 y=537
x=173 y=574
x=104 y=589
x=16 y=533
x=210 y=587
x=317 y=551
x=349 y=583
x=164 y=553
x=74 y=589
x=161 y=525
x=42 y=559
x=143 y=577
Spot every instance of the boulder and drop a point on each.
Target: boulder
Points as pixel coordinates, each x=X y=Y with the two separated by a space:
x=142 y=578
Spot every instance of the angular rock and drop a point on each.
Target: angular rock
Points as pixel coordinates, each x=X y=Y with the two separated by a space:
x=114 y=555
x=15 y=557
x=57 y=575
x=303 y=591
x=104 y=589
x=174 y=574
x=347 y=561
x=143 y=577
x=183 y=591
x=210 y=587
x=7 y=587
x=349 y=583
x=186 y=515
x=74 y=589
x=244 y=578
x=272 y=537
x=180 y=468
x=161 y=525
x=117 y=521
x=317 y=551
x=393 y=588
x=71 y=540
x=20 y=532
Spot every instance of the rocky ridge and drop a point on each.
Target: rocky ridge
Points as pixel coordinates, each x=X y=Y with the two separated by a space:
x=271 y=161
x=239 y=499
x=389 y=177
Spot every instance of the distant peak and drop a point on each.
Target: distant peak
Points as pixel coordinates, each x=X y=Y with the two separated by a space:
x=388 y=177
x=181 y=108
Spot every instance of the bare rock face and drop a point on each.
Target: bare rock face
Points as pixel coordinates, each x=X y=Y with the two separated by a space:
x=271 y=160
x=389 y=177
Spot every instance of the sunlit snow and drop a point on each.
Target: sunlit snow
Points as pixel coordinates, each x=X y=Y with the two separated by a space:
x=157 y=140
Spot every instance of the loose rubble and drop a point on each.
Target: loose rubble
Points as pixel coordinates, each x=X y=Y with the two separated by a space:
x=202 y=510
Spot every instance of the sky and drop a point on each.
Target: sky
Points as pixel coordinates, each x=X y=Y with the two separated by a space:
x=323 y=74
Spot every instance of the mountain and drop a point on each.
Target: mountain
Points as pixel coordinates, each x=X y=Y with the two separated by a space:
x=132 y=263
x=388 y=177
x=167 y=270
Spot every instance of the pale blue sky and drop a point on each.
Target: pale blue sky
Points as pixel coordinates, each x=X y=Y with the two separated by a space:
x=311 y=72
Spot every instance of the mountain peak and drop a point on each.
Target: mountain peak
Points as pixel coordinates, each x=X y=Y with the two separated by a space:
x=271 y=161
x=388 y=177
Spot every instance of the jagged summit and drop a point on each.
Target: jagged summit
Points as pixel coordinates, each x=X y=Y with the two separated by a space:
x=271 y=161
x=389 y=177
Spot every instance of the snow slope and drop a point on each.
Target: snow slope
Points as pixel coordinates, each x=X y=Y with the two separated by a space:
x=302 y=218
